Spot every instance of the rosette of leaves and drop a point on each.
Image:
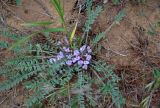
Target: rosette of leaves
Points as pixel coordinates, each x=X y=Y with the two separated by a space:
x=65 y=73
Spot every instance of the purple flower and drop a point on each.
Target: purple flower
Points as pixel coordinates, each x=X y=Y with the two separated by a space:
x=85 y=67
x=69 y=56
x=60 y=55
x=76 y=53
x=82 y=48
x=80 y=62
x=76 y=59
x=66 y=49
x=88 y=57
x=89 y=50
x=86 y=62
x=69 y=62
x=80 y=56
x=51 y=60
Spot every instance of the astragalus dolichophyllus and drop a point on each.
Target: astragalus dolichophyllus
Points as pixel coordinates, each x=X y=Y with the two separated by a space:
x=81 y=56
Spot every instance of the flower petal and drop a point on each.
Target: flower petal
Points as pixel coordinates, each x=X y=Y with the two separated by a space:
x=76 y=53
x=66 y=49
x=86 y=62
x=82 y=48
x=89 y=50
x=88 y=57
x=60 y=55
x=69 y=56
x=69 y=62
x=85 y=67
x=74 y=60
x=80 y=62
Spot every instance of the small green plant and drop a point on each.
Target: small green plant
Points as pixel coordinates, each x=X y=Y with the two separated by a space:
x=116 y=2
x=151 y=87
x=62 y=71
x=18 y=2
x=153 y=29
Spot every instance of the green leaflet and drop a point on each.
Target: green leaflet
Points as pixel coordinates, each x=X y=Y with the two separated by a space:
x=59 y=9
x=115 y=2
x=18 y=2
x=15 y=80
x=10 y=35
x=119 y=16
x=54 y=30
x=98 y=38
x=22 y=41
x=3 y=44
x=91 y=18
x=111 y=86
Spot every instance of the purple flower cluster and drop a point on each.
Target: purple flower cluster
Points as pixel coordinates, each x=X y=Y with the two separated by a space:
x=81 y=56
